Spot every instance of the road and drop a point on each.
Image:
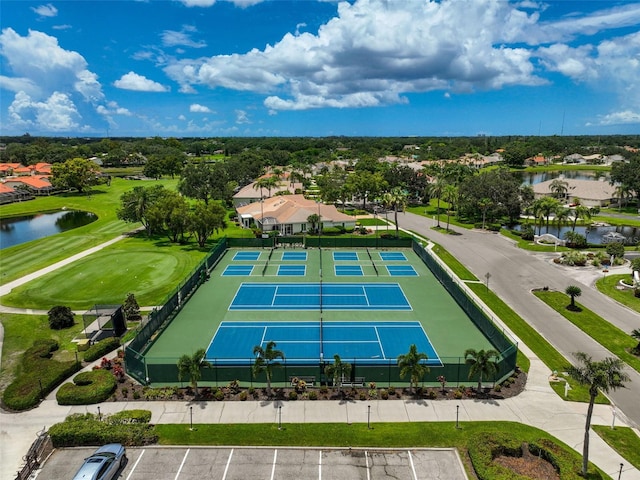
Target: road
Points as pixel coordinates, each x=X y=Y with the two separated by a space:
x=515 y=272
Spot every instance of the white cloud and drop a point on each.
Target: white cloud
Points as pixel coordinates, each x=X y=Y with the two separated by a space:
x=172 y=38
x=139 y=83
x=241 y=117
x=112 y=108
x=56 y=113
x=209 y=3
x=47 y=10
x=196 y=108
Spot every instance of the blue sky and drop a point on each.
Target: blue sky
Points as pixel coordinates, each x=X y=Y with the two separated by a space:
x=319 y=68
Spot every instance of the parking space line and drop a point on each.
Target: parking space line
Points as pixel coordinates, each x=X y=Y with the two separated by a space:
x=320 y=465
x=273 y=467
x=226 y=469
x=135 y=465
x=184 y=459
x=413 y=468
x=366 y=464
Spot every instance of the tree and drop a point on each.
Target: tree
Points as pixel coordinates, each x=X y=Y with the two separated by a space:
x=562 y=214
x=135 y=204
x=269 y=183
x=484 y=203
x=205 y=181
x=449 y=195
x=396 y=199
x=171 y=212
x=500 y=187
x=60 y=317
x=482 y=363
x=76 y=174
x=435 y=189
x=573 y=291
x=559 y=188
x=189 y=366
x=314 y=220
x=205 y=219
x=337 y=371
x=579 y=212
x=628 y=175
x=413 y=363
x=635 y=333
x=131 y=308
x=548 y=205
x=603 y=375
x=266 y=361
x=635 y=264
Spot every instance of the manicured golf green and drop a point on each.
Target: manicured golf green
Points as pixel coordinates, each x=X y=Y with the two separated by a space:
x=131 y=265
x=450 y=330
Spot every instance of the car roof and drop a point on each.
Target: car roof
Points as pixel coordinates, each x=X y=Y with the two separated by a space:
x=90 y=467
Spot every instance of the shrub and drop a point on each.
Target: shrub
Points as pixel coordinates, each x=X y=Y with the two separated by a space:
x=575 y=240
x=293 y=395
x=313 y=395
x=392 y=390
x=497 y=388
x=362 y=396
x=101 y=348
x=87 y=388
x=39 y=376
x=528 y=232
x=243 y=395
x=616 y=249
x=219 y=395
x=130 y=416
x=79 y=430
x=384 y=394
x=324 y=389
x=432 y=394
x=458 y=394
x=60 y=317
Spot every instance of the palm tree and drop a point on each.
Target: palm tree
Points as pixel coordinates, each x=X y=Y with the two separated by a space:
x=484 y=203
x=547 y=207
x=559 y=188
x=266 y=182
x=573 y=291
x=482 y=362
x=636 y=334
x=604 y=375
x=449 y=195
x=337 y=370
x=266 y=360
x=580 y=212
x=314 y=219
x=561 y=216
x=189 y=366
x=435 y=190
x=396 y=199
x=413 y=364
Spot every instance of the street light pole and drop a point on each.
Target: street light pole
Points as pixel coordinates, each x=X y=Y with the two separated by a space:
x=457 y=416
x=279 y=417
x=368 y=417
x=191 y=418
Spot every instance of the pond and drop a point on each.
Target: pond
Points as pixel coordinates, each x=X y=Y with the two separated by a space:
x=17 y=230
x=532 y=178
x=597 y=235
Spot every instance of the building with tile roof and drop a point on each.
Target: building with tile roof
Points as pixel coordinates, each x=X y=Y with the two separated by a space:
x=590 y=193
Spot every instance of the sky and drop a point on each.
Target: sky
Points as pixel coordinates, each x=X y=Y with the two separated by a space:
x=208 y=68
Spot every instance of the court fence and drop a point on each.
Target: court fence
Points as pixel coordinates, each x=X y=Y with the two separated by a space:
x=164 y=371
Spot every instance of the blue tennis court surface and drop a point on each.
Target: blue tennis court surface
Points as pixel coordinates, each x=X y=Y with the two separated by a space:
x=361 y=342
x=348 y=270
x=311 y=296
x=293 y=270
x=246 y=255
x=237 y=270
x=388 y=256
x=345 y=256
x=294 y=256
x=402 y=270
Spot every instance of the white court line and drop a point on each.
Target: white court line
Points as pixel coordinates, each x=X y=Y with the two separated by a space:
x=182 y=464
x=226 y=468
x=320 y=465
x=375 y=329
x=273 y=468
x=135 y=465
x=413 y=468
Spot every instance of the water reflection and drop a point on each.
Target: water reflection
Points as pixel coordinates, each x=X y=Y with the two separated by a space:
x=532 y=178
x=17 y=230
x=598 y=235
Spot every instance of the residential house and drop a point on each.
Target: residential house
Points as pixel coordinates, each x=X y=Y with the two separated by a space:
x=589 y=193
x=38 y=184
x=288 y=214
x=250 y=194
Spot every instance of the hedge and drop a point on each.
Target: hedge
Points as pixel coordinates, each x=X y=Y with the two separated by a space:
x=87 y=388
x=38 y=376
x=101 y=348
x=87 y=429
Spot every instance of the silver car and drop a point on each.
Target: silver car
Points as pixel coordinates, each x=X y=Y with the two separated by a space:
x=104 y=464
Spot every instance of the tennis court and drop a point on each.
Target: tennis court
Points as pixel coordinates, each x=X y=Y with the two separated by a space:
x=323 y=296
x=306 y=342
x=393 y=256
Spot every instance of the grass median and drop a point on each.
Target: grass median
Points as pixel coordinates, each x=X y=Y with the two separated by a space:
x=609 y=286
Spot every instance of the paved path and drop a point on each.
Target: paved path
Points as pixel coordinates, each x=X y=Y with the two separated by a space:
x=515 y=272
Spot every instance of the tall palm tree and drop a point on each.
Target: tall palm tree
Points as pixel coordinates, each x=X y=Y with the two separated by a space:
x=337 y=370
x=603 y=375
x=484 y=203
x=547 y=207
x=482 y=362
x=266 y=360
x=579 y=212
x=449 y=195
x=314 y=219
x=562 y=214
x=396 y=199
x=559 y=188
x=189 y=366
x=573 y=291
x=413 y=363
x=435 y=190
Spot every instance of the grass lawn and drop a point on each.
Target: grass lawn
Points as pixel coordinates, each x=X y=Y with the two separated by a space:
x=150 y=268
x=25 y=258
x=608 y=284
x=20 y=331
x=530 y=245
x=623 y=440
x=431 y=211
x=609 y=336
x=369 y=222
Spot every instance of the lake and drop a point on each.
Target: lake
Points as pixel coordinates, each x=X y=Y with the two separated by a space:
x=17 y=230
x=532 y=178
x=598 y=235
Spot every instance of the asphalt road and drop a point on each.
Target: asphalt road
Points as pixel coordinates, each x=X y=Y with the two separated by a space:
x=514 y=273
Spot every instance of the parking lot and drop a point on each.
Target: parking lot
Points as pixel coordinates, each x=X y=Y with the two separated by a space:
x=183 y=463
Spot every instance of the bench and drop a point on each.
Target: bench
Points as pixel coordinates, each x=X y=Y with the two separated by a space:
x=357 y=382
x=309 y=381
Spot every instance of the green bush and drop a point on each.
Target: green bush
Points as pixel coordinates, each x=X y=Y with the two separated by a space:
x=293 y=395
x=101 y=348
x=87 y=388
x=79 y=430
x=616 y=249
x=60 y=317
x=129 y=416
x=39 y=375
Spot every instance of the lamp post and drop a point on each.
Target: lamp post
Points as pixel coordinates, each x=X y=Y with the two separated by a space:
x=487 y=276
x=620 y=472
x=191 y=418
x=319 y=223
x=279 y=417
x=368 y=417
x=99 y=414
x=457 y=416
